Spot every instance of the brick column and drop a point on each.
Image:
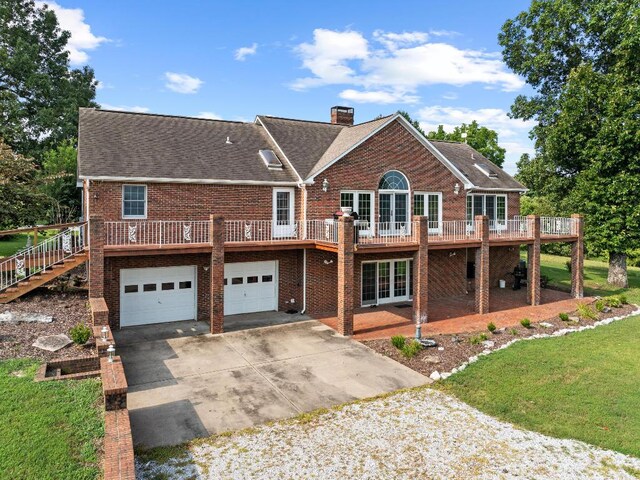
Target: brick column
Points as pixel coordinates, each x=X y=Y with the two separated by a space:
x=533 y=261
x=216 y=271
x=345 y=275
x=577 y=258
x=482 y=265
x=421 y=271
x=96 y=257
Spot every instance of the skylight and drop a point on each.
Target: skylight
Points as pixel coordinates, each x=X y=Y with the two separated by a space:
x=484 y=168
x=270 y=159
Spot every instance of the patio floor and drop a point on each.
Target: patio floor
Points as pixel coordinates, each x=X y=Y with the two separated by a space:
x=455 y=314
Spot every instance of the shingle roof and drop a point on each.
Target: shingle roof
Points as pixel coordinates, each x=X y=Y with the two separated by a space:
x=302 y=142
x=464 y=158
x=120 y=144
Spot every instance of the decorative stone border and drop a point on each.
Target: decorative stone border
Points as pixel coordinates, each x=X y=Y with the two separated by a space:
x=558 y=333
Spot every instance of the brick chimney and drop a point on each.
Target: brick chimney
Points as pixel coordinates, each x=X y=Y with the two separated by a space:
x=342 y=115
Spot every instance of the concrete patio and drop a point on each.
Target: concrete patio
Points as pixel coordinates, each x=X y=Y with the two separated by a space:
x=185 y=383
x=456 y=314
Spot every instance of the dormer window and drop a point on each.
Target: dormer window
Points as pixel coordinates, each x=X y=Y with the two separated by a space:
x=270 y=159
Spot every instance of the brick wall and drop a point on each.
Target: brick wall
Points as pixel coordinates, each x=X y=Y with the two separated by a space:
x=448 y=273
x=322 y=282
x=502 y=261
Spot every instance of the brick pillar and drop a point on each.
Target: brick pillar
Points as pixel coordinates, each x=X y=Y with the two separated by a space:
x=216 y=270
x=482 y=265
x=96 y=257
x=577 y=258
x=533 y=261
x=421 y=271
x=345 y=275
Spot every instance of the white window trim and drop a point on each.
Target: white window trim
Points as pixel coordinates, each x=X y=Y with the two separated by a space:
x=356 y=203
x=283 y=230
x=425 y=195
x=145 y=201
x=500 y=226
x=406 y=298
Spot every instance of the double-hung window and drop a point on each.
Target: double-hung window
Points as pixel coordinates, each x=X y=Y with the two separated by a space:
x=493 y=206
x=134 y=201
x=360 y=203
x=429 y=204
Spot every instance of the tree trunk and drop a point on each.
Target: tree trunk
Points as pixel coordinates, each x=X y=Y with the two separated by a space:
x=618 y=270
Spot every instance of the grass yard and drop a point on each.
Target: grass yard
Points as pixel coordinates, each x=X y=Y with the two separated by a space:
x=582 y=386
x=11 y=244
x=49 y=430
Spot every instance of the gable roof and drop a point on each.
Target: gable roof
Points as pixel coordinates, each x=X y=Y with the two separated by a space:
x=151 y=147
x=465 y=158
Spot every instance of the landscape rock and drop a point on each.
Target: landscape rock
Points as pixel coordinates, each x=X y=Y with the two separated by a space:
x=546 y=324
x=488 y=343
x=435 y=375
x=431 y=359
x=52 y=343
x=20 y=317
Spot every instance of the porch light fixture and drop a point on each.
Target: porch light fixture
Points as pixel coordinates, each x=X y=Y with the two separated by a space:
x=456 y=188
x=325 y=185
x=111 y=350
x=104 y=333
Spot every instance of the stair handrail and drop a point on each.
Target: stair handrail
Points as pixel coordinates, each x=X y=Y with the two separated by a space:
x=32 y=260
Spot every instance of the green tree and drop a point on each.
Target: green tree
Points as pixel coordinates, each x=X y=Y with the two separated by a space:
x=580 y=57
x=21 y=201
x=39 y=92
x=59 y=170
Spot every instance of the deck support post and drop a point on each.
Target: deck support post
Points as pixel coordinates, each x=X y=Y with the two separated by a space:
x=345 y=275
x=533 y=262
x=577 y=257
x=482 y=265
x=96 y=256
x=421 y=271
x=216 y=272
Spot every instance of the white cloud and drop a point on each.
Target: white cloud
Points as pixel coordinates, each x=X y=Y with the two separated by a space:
x=124 y=108
x=209 y=116
x=377 y=96
x=450 y=96
x=243 y=52
x=182 y=83
x=404 y=62
x=81 y=39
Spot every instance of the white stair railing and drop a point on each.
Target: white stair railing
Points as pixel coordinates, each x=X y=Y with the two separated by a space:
x=45 y=254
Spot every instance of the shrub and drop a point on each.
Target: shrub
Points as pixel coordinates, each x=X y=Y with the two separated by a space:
x=525 y=322
x=613 y=301
x=564 y=317
x=491 y=327
x=80 y=333
x=411 y=348
x=476 y=339
x=586 y=312
x=398 y=341
x=513 y=332
x=600 y=305
x=623 y=299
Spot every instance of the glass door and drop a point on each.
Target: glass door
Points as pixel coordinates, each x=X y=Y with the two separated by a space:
x=386 y=282
x=283 y=219
x=394 y=213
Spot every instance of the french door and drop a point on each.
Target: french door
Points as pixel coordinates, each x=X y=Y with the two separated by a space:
x=394 y=213
x=387 y=281
x=283 y=213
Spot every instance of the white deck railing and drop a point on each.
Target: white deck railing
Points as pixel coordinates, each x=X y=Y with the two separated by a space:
x=156 y=232
x=517 y=228
x=237 y=231
x=452 y=231
x=386 y=233
x=557 y=226
x=45 y=254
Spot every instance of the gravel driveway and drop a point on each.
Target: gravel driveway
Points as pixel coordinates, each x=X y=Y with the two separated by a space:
x=415 y=434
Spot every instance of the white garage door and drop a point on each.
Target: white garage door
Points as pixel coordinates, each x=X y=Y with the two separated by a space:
x=250 y=287
x=156 y=295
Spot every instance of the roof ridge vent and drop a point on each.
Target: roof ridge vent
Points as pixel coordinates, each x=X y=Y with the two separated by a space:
x=484 y=168
x=270 y=159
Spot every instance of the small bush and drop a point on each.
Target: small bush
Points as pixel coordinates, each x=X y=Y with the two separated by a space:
x=513 y=332
x=623 y=299
x=491 y=327
x=398 y=341
x=613 y=301
x=80 y=334
x=525 y=322
x=600 y=305
x=564 y=317
x=477 y=339
x=586 y=312
x=411 y=348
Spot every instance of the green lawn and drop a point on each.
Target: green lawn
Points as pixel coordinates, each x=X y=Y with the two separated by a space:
x=595 y=277
x=49 y=430
x=10 y=245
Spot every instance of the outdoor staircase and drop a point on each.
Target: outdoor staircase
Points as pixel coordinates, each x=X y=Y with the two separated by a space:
x=39 y=264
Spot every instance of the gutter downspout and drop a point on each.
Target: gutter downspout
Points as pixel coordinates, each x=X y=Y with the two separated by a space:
x=304 y=281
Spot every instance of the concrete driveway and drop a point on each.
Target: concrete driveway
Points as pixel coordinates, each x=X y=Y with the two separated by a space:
x=184 y=383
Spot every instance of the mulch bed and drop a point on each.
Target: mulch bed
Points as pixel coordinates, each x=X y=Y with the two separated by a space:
x=458 y=348
x=67 y=310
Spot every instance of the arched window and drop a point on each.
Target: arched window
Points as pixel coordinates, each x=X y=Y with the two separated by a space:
x=393 y=180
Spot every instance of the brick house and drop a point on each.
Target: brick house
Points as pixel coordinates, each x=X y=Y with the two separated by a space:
x=204 y=219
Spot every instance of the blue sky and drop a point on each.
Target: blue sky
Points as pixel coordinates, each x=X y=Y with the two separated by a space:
x=439 y=60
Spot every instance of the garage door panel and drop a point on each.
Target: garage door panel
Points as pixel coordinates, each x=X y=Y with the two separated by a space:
x=250 y=287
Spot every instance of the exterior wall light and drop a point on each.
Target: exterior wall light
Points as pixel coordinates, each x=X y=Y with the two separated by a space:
x=111 y=350
x=325 y=185
x=104 y=333
x=456 y=188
